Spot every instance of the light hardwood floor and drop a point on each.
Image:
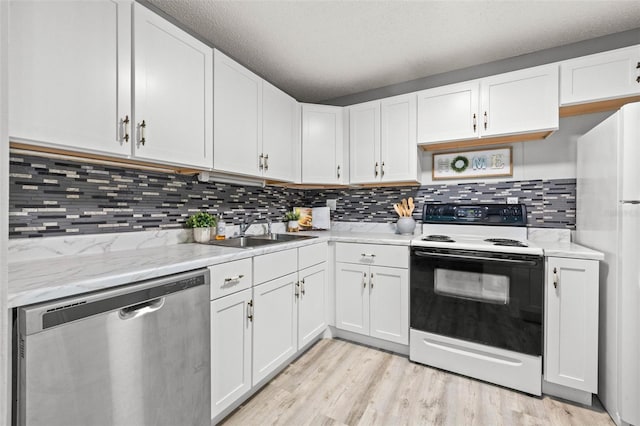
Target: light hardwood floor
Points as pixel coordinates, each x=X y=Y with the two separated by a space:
x=338 y=382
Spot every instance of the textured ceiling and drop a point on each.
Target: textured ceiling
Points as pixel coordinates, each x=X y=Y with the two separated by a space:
x=317 y=50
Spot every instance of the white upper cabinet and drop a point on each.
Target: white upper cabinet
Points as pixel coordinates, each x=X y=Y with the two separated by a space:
x=382 y=141
x=448 y=113
x=322 y=144
x=364 y=142
x=518 y=102
x=398 y=151
x=255 y=131
x=237 y=117
x=173 y=93
x=602 y=76
x=70 y=74
x=280 y=134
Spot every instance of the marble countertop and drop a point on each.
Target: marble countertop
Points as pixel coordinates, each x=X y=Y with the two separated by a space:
x=39 y=280
x=569 y=249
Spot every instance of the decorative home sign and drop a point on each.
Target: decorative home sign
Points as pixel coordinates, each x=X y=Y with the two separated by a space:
x=472 y=164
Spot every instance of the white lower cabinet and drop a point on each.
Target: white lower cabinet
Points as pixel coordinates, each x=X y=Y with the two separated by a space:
x=312 y=299
x=571 y=325
x=373 y=299
x=274 y=325
x=231 y=329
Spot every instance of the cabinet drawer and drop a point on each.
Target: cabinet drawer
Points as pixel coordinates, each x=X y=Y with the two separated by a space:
x=312 y=255
x=274 y=265
x=227 y=278
x=373 y=254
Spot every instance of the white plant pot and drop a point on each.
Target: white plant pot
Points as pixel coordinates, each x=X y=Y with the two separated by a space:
x=202 y=235
x=292 y=226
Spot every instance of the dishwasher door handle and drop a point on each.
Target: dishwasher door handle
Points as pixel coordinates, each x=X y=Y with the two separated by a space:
x=135 y=311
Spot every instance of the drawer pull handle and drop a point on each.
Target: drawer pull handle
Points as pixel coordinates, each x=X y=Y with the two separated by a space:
x=367 y=255
x=236 y=278
x=555 y=278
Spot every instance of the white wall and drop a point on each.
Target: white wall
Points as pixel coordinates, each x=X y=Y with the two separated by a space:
x=5 y=348
x=551 y=158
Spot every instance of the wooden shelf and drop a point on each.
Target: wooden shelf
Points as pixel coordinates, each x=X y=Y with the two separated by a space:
x=498 y=140
x=601 y=106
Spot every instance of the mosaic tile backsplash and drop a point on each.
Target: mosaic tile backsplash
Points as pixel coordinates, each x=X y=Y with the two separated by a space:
x=59 y=197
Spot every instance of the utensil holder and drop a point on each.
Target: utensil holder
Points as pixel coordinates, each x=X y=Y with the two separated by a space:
x=406 y=225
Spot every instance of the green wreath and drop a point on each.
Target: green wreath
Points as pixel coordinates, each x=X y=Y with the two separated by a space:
x=461 y=168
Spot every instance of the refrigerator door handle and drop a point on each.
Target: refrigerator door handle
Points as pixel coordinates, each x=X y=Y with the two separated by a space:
x=629 y=201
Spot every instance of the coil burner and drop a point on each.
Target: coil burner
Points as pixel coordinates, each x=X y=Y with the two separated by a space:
x=505 y=242
x=439 y=238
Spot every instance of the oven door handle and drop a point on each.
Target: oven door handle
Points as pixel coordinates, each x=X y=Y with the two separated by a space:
x=492 y=259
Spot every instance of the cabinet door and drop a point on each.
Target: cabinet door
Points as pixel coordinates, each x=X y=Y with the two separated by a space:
x=364 y=142
x=398 y=148
x=389 y=304
x=230 y=350
x=279 y=139
x=448 y=113
x=322 y=144
x=602 y=76
x=571 y=350
x=523 y=101
x=173 y=93
x=352 y=297
x=237 y=109
x=274 y=325
x=70 y=74
x=312 y=299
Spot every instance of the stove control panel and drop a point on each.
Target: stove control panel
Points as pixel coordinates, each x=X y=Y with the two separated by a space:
x=476 y=214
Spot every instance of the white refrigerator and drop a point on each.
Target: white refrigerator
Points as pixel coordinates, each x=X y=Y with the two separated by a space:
x=608 y=220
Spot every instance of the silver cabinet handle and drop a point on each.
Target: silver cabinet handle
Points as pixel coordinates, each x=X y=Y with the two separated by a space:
x=236 y=278
x=367 y=255
x=338 y=171
x=485 y=120
x=266 y=162
x=143 y=138
x=474 y=123
x=371 y=281
x=261 y=162
x=638 y=68
x=364 y=280
x=555 y=278
x=126 y=123
x=382 y=170
x=375 y=173
x=296 y=291
x=250 y=310
x=302 y=290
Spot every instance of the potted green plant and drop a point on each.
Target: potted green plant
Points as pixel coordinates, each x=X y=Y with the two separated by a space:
x=201 y=222
x=292 y=221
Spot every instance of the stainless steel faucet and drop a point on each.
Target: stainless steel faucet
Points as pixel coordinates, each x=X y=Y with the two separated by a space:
x=268 y=226
x=246 y=222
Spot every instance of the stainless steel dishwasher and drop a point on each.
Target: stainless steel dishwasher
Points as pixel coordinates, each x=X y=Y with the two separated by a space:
x=134 y=355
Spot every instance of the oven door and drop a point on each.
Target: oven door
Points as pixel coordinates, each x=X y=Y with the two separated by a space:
x=490 y=298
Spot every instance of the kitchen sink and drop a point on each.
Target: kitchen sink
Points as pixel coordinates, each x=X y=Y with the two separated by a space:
x=258 y=240
x=283 y=237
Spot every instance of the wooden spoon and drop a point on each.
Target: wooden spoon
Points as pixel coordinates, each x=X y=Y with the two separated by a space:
x=405 y=206
x=412 y=206
x=396 y=207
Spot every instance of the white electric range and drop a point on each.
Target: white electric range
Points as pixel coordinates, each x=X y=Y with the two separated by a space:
x=477 y=294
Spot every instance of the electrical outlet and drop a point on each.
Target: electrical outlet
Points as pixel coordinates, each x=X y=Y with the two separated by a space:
x=332 y=204
x=512 y=200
